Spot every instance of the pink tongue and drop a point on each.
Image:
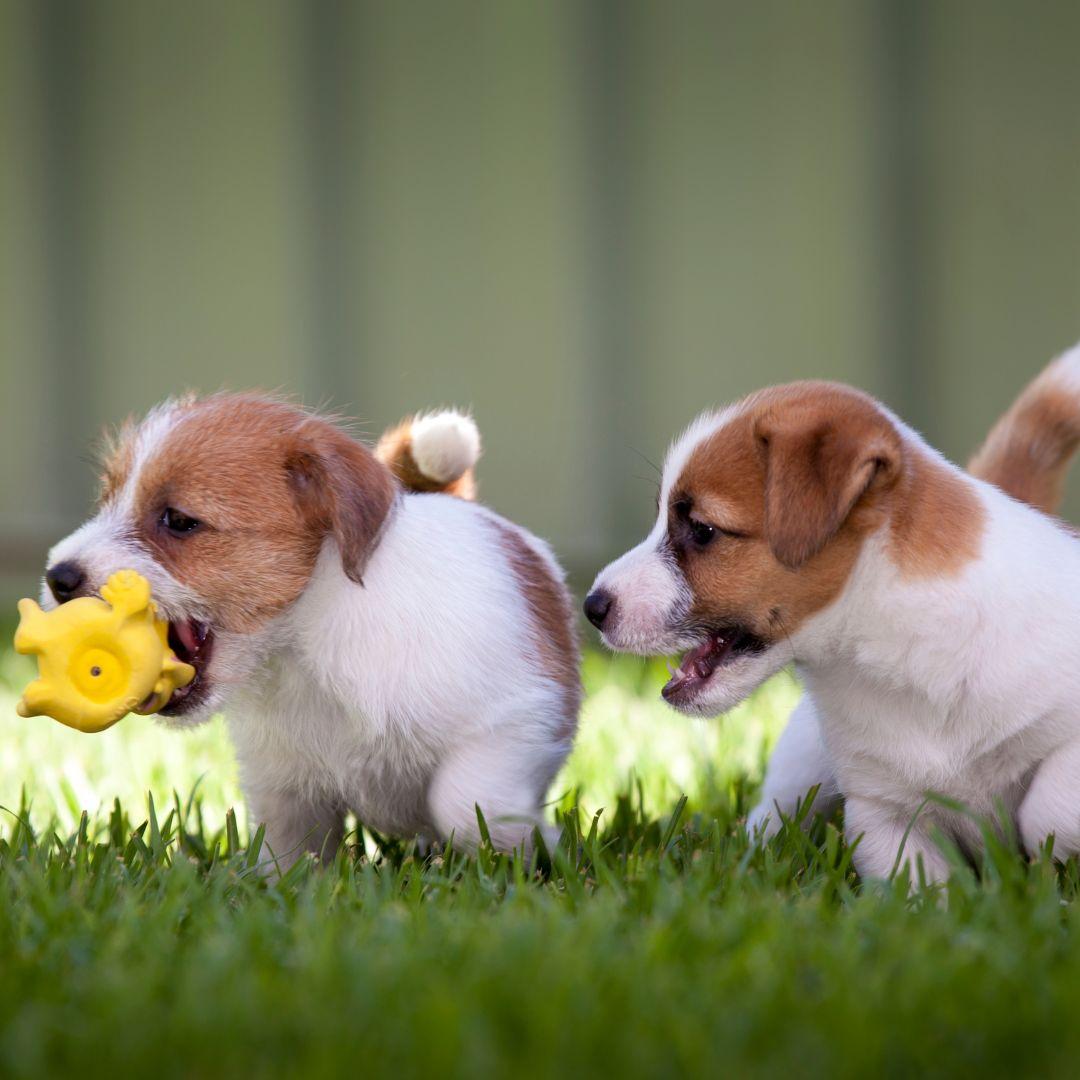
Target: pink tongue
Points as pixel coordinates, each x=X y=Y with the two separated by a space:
x=702 y=659
x=185 y=631
x=698 y=663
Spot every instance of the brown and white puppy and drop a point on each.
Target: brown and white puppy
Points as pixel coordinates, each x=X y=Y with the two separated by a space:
x=934 y=620
x=406 y=656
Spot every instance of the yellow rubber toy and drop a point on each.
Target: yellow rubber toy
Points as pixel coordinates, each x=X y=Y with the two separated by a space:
x=99 y=658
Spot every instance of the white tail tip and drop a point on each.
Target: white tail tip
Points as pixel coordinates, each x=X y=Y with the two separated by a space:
x=445 y=445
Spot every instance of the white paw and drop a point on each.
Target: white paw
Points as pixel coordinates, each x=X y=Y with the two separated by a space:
x=763 y=821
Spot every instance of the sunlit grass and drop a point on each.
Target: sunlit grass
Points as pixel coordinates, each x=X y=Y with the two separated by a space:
x=65 y=772
x=627 y=738
x=655 y=940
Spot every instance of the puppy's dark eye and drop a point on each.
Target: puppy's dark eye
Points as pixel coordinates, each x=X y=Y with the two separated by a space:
x=177 y=522
x=701 y=532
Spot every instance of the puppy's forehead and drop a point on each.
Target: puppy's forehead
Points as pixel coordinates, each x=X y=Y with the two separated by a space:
x=227 y=424
x=717 y=452
x=228 y=449
x=714 y=461
x=686 y=448
x=128 y=449
x=230 y=437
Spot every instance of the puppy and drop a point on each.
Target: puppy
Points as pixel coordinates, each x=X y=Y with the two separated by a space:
x=933 y=618
x=407 y=656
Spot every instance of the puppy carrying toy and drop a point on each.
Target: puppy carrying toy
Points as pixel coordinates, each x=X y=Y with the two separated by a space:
x=99 y=658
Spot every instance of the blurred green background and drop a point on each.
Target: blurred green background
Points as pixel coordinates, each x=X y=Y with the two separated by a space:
x=585 y=219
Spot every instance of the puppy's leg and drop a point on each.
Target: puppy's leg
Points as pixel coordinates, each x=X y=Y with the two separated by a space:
x=507 y=777
x=883 y=833
x=295 y=825
x=798 y=763
x=1052 y=803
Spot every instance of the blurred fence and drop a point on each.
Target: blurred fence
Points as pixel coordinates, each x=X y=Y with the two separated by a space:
x=587 y=220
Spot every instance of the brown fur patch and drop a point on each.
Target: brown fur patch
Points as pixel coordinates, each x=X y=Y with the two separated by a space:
x=937 y=520
x=803 y=474
x=825 y=449
x=267 y=482
x=394 y=450
x=552 y=615
x=342 y=490
x=1028 y=452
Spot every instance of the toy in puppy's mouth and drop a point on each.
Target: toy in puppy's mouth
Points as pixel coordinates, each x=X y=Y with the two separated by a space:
x=101 y=657
x=192 y=642
x=720 y=649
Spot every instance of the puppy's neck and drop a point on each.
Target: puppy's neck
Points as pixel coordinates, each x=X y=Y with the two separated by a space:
x=937 y=519
x=963 y=593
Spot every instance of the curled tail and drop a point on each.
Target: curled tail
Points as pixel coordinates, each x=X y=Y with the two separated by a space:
x=433 y=452
x=1028 y=452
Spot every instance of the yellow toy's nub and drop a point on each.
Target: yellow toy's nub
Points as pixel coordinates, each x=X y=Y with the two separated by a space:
x=99 y=658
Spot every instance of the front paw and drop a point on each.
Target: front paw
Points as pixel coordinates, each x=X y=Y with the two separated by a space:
x=763 y=822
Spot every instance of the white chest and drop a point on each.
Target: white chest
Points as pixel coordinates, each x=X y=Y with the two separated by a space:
x=294 y=737
x=899 y=746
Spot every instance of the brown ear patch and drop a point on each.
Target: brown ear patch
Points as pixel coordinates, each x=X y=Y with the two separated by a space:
x=840 y=470
x=221 y=460
x=822 y=455
x=552 y=617
x=341 y=489
x=740 y=579
x=267 y=483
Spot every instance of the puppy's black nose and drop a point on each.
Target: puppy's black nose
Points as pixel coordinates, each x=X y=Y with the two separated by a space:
x=65 y=579
x=597 y=606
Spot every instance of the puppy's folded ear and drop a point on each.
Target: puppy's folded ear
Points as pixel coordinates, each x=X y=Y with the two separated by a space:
x=341 y=490
x=819 y=465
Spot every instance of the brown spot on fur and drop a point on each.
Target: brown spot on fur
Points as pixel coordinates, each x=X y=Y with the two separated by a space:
x=268 y=483
x=804 y=474
x=1028 y=452
x=342 y=490
x=824 y=451
x=552 y=616
x=773 y=463
x=937 y=520
x=394 y=450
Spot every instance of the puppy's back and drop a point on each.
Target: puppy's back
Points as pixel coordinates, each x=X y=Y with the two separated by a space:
x=459 y=608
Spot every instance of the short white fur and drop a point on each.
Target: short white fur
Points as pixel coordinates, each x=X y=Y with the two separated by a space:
x=965 y=685
x=410 y=700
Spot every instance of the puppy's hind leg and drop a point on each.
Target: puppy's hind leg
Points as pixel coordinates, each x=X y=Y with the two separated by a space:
x=1052 y=804
x=507 y=775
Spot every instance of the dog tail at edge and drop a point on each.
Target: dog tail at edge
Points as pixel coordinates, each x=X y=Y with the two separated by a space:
x=433 y=452
x=1028 y=451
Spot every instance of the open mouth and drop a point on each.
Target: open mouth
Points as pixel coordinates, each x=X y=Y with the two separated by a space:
x=720 y=649
x=193 y=643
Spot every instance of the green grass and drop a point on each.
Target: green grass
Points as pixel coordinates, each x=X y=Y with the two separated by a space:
x=656 y=940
